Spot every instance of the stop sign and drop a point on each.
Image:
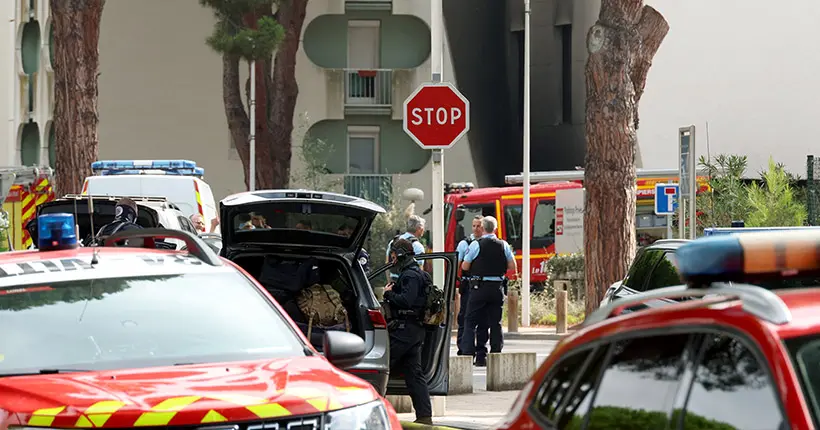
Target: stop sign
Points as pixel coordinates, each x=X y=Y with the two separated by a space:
x=436 y=116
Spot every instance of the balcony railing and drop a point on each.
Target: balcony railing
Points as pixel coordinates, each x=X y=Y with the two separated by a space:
x=368 y=88
x=368 y=4
x=376 y=188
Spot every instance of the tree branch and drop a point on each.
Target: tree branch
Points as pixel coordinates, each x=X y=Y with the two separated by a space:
x=652 y=29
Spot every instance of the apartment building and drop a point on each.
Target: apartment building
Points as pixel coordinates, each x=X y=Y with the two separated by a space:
x=161 y=91
x=26 y=84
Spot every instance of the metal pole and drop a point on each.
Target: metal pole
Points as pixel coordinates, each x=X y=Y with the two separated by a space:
x=525 y=222
x=252 y=135
x=693 y=186
x=669 y=226
x=13 y=82
x=436 y=72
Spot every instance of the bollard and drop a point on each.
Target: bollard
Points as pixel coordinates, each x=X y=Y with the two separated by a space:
x=508 y=371
x=456 y=310
x=561 y=311
x=512 y=312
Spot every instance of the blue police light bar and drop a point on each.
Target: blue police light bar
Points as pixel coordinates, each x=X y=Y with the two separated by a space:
x=749 y=256
x=715 y=231
x=142 y=164
x=56 y=231
x=199 y=171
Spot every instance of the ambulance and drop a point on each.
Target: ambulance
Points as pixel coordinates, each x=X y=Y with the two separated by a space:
x=179 y=181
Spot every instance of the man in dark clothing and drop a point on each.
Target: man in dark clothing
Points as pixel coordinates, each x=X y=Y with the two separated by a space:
x=464 y=280
x=488 y=259
x=125 y=218
x=407 y=301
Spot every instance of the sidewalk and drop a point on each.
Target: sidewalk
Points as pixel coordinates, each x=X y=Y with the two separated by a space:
x=476 y=411
x=534 y=333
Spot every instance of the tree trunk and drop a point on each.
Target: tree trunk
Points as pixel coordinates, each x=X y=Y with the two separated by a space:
x=285 y=90
x=76 y=26
x=238 y=121
x=621 y=46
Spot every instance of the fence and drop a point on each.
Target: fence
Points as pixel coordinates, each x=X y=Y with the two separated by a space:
x=368 y=87
x=812 y=190
x=376 y=188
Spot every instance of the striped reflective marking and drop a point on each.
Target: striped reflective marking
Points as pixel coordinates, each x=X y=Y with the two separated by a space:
x=44 y=417
x=355 y=395
x=198 y=200
x=270 y=410
x=213 y=417
x=97 y=414
x=239 y=399
x=164 y=412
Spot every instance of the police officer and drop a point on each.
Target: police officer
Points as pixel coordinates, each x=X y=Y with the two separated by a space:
x=407 y=301
x=488 y=259
x=414 y=230
x=125 y=218
x=464 y=281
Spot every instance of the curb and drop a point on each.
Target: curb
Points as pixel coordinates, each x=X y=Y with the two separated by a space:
x=412 y=425
x=536 y=336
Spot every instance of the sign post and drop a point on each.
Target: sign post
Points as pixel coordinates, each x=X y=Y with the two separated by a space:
x=666 y=203
x=436 y=116
x=688 y=181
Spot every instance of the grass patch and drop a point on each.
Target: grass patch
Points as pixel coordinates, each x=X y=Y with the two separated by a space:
x=542 y=310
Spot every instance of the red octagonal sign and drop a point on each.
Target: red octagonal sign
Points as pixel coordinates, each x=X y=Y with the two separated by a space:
x=436 y=116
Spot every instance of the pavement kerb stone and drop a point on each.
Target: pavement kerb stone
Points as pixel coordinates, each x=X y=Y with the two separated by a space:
x=412 y=425
x=536 y=336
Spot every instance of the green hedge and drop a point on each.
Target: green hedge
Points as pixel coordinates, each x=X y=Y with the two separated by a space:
x=610 y=417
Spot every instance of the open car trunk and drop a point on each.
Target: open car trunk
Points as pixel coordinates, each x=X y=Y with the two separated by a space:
x=271 y=270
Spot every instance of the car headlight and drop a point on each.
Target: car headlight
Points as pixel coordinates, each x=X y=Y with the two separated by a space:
x=370 y=416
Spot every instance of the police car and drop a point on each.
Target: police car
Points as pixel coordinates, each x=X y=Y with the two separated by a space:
x=128 y=337
x=736 y=355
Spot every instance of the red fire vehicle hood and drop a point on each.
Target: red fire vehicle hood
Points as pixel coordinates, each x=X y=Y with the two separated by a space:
x=181 y=395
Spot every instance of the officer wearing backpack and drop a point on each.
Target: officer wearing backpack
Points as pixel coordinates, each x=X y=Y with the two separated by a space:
x=488 y=259
x=407 y=299
x=415 y=229
x=464 y=280
x=125 y=218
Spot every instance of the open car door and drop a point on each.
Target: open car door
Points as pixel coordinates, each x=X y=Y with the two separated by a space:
x=435 y=354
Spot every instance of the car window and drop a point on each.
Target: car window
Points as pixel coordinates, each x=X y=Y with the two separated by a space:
x=465 y=227
x=805 y=354
x=576 y=405
x=640 y=383
x=641 y=268
x=665 y=273
x=731 y=388
x=512 y=225
x=557 y=384
x=543 y=224
x=157 y=320
x=186 y=225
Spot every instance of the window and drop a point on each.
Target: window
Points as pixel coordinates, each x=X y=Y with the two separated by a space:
x=640 y=383
x=573 y=410
x=186 y=225
x=566 y=73
x=641 y=268
x=512 y=225
x=805 y=353
x=557 y=385
x=362 y=150
x=543 y=224
x=118 y=323
x=464 y=224
x=732 y=388
x=665 y=273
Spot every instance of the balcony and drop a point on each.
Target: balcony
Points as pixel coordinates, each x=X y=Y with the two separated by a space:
x=376 y=188
x=356 y=5
x=368 y=92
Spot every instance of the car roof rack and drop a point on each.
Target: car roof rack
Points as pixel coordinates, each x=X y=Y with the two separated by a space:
x=195 y=246
x=136 y=199
x=757 y=301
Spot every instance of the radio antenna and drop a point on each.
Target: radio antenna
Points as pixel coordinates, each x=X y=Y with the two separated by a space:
x=91 y=216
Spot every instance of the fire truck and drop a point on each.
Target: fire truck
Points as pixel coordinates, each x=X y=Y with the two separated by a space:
x=463 y=202
x=23 y=189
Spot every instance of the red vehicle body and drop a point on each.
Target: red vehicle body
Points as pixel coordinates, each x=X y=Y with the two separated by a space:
x=710 y=314
x=505 y=204
x=181 y=395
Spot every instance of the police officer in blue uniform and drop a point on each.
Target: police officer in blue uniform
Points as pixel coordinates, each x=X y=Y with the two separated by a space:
x=464 y=281
x=414 y=230
x=408 y=301
x=488 y=259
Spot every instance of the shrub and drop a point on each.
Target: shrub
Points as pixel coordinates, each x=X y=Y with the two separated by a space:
x=542 y=308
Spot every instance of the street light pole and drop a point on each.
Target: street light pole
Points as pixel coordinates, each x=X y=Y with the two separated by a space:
x=252 y=134
x=436 y=72
x=525 y=215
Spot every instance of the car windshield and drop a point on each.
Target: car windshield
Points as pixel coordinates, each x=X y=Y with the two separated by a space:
x=100 y=324
x=805 y=354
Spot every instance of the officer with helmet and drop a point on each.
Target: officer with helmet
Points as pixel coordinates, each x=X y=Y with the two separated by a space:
x=407 y=301
x=488 y=259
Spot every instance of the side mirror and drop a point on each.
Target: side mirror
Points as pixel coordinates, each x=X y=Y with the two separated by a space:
x=343 y=350
x=31 y=228
x=460 y=212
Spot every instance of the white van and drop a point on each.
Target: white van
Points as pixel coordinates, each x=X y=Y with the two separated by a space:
x=179 y=181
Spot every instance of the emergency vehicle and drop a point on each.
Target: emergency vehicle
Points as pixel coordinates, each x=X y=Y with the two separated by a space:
x=463 y=201
x=180 y=181
x=137 y=337
x=22 y=189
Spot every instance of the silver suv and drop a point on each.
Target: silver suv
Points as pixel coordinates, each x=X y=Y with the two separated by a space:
x=269 y=229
